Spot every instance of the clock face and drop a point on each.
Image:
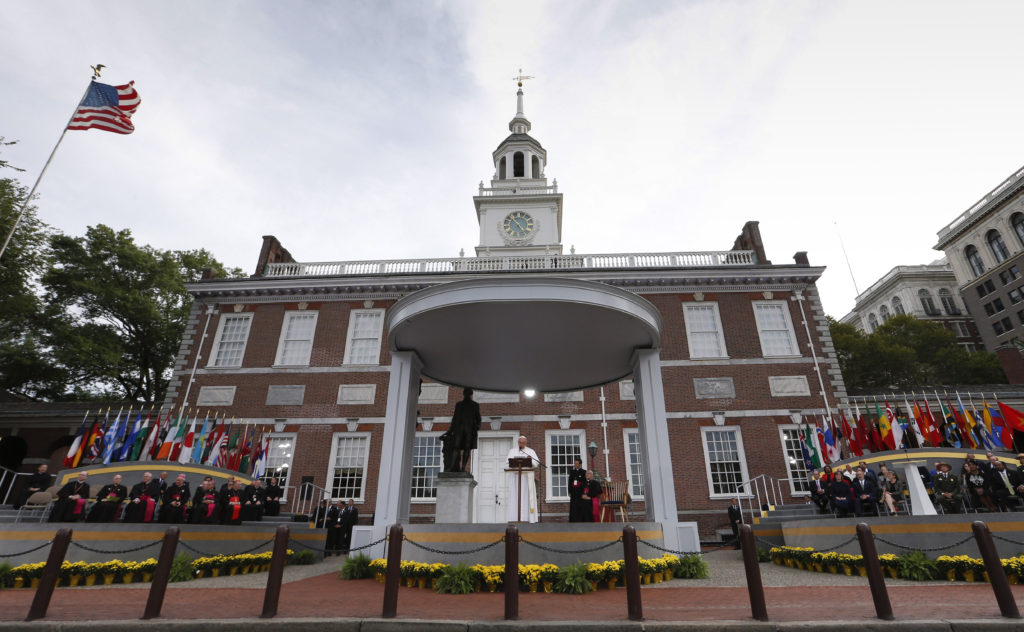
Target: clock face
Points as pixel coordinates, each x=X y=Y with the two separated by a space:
x=518 y=225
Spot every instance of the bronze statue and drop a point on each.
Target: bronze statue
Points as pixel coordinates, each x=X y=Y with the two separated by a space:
x=458 y=442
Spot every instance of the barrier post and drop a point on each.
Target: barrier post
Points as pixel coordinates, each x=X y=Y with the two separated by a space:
x=634 y=604
x=512 y=572
x=276 y=574
x=996 y=574
x=755 y=588
x=51 y=573
x=394 y=576
x=161 y=574
x=879 y=593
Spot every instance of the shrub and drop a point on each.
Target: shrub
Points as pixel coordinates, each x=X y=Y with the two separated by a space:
x=916 y=566
x=763 y=555
x=459 y=579
x=355 y=567
x=572 y=579
x=692 y=567
x=305 y=558
x=181 y=568
x=6 y=577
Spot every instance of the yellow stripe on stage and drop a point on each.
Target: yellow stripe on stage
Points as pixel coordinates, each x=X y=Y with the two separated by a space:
x=942 y=527
x=153 y=535
x=551 y=536
x=150 y=466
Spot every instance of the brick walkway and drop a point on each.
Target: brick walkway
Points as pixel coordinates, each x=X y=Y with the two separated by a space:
x=328 y=596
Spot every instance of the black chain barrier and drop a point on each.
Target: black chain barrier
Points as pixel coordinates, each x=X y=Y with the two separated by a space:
x=923 y=549
x=1007 y=540
x=550 y=549
x=32 y=550
x=443 y=552
x=771 y=544
x=117 y=552
x=682 y=553
x=205 y=554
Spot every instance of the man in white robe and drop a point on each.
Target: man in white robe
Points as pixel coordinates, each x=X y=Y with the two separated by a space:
x=526 y=489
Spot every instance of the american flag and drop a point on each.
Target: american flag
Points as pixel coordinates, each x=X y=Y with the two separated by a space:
x=108 y=108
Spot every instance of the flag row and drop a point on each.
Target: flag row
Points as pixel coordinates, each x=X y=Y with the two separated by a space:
x=893 y=425
x=237 y=446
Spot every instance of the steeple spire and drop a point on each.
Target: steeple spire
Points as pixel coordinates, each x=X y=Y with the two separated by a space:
x=520 y=124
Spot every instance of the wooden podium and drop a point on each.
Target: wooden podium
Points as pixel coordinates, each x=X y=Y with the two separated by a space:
x=520 y=464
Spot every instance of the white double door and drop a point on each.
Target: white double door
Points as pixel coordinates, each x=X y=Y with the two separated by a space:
x=489 y=470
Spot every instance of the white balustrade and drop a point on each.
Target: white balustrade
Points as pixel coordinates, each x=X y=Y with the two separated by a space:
x=725 y=258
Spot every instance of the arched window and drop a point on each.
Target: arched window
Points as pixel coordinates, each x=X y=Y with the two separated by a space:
x=974 y=260
x=883 y=311
x=872 y=323
x=897 y=306
x=535 y=166
x=1018 y=226
x=517 y=165
x=948 y=302
x=995 y=242
x=501 y=168
x=927 y=303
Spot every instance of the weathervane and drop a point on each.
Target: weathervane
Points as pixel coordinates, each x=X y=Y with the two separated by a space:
x=520 y=78
x=96 y=70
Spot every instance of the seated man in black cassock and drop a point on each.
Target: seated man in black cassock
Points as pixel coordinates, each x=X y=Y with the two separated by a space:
x=204 y=503
x=272 y=503
x=176 y=498
x=71 y=500
x=231 y=503
x=142 y=500
x=37 y=482
x=107 y=507
x=252 y=507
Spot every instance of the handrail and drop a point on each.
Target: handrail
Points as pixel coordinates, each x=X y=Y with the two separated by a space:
x=13 y=478
x=305 y=503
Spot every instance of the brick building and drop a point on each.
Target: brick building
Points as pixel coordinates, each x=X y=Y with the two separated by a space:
x=303 y=349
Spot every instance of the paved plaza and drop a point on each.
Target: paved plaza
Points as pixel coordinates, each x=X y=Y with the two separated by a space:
x=314 y=598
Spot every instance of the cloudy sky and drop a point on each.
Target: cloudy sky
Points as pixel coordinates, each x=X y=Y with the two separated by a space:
x=359 y=130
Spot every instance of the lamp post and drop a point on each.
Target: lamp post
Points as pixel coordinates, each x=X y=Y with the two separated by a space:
x=592 y=450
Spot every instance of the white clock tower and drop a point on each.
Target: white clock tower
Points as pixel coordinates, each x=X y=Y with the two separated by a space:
x=520 y=214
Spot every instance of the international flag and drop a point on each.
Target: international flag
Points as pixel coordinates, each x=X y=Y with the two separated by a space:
x=1013 y=417
x=852 y=437
x=108 y=108
x=174 y=429
x=130 y=438
x=94 y=446
x=831 y=449
x=961 y=423
x=926 y=420
x=219 y=449
x=110 y=439
x=162 y=430
x=188 y=442
x=999 y=426
x=885 y=428
x=808 y=461
x=808 y=436
x=949 y=425
x=894 y=427
x=76 y=445
x=913 y=416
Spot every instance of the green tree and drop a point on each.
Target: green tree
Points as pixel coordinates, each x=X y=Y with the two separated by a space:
x=118 y=310
x=24 y=367
x=905 y=353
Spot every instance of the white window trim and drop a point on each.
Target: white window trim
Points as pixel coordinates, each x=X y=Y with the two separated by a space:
x=743 y=460
x=284 y=328
x=211 y=364
x=425 y=501
x=720 y=330
x=782 y=441
x=330 y=464
x=625 y=454
x=548 y=495
x=293 y=437
x=351 y=331
x=789 y=327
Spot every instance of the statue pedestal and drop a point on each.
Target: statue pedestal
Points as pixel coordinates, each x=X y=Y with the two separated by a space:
x=454 y=497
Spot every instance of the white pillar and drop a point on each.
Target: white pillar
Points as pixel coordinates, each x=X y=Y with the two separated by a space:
x=394 y=481
x=527 y=164
x=659 y=482
x=920 y=503
x=510 y=165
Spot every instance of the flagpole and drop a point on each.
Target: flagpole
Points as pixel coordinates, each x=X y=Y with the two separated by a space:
x=28 y=198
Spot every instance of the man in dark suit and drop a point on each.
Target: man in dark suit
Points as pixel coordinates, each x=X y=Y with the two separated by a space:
x=333 y=523
x=840 y=495
x=819 y=491
x=37 y=482
x=1004 y=486
x=735 y=520
x=349 y=518
x=865 y=493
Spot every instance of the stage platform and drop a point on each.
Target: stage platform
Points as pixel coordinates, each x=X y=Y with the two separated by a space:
x=915 y=532
x=560 y=542
x=118 y=537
